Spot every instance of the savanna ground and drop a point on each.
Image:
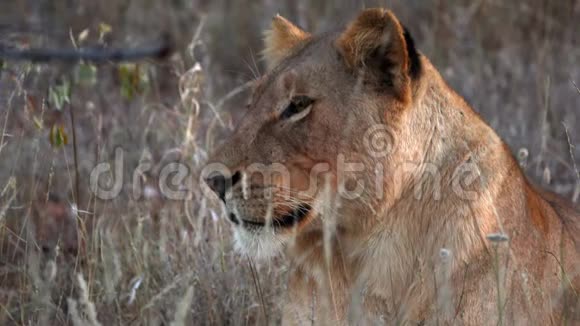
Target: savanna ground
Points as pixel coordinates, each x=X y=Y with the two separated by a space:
x=67 y=257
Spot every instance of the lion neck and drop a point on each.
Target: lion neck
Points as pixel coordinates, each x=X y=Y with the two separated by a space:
x=430 y=229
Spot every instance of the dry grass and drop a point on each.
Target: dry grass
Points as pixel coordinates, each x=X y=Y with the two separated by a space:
x=149 y=260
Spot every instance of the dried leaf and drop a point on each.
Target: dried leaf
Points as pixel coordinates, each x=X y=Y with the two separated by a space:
x=59 y=95
x=133 y=79
x=86 y=74
x=37 y=122
x=104 y=29
x=58 y=136
x=83 y=35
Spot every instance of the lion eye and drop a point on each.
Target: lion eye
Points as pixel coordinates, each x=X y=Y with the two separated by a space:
x=298 y=108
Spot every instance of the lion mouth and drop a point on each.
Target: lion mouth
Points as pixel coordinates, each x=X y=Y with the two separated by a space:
x=293 y=218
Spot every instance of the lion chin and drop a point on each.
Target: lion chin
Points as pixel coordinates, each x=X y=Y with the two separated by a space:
x=262 y=245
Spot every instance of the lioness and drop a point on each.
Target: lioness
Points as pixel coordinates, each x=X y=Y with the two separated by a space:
x=392 y=199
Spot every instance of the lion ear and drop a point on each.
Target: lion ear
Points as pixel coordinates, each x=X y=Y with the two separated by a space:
x=375 y=45
x=280 y=39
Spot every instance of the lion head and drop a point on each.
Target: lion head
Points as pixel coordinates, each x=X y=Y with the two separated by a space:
x=328 y=123
x=338 y=136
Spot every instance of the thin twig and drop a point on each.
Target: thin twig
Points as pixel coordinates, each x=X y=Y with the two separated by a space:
x=574 y=166
x=258 y=289
x=575 y=86
x=75 y=155
x=95 y=55
x=233 y=93
x=571 y=149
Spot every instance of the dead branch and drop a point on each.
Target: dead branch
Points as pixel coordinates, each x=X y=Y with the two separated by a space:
x=94 y=55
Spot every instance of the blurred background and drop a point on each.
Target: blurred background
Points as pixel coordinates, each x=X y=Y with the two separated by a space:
x=68 y=258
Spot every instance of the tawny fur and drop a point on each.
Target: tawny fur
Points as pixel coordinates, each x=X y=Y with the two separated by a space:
x=280 y=39
x=372 y=28
x=429 y=250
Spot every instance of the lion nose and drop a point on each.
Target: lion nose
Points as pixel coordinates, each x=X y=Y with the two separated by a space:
x=220 y=184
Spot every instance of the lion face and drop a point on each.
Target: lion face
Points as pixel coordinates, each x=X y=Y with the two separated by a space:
x=304 y=155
